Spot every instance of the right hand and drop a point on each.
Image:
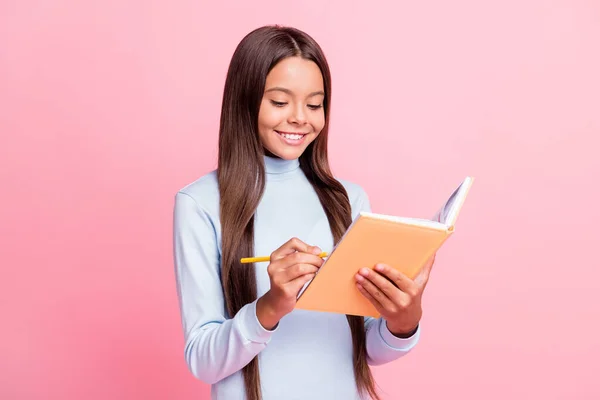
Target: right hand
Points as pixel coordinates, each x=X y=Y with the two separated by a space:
x=291 y=266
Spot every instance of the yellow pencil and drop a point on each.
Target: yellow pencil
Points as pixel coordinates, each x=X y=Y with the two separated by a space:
x=267 y=258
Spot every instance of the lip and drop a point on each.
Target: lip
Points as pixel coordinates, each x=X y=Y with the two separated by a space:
x=292 y=142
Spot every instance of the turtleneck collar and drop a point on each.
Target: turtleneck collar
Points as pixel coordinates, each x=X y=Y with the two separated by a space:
x=277 y=166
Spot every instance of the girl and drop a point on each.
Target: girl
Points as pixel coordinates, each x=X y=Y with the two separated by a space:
x=273 y=189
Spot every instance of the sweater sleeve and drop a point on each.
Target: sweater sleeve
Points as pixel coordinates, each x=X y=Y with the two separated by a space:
x=215 y=346
x=382 y=345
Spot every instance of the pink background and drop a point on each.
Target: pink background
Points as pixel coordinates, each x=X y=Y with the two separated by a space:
x=107 y=108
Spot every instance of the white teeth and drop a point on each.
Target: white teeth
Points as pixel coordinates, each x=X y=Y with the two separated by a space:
x=291 y=136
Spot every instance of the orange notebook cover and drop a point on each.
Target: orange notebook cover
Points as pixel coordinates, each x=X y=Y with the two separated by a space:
x=403 y=243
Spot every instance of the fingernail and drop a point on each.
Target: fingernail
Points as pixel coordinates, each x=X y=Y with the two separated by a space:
x=316 y=250
x=359 y=278
x=379 y=267
x=364 y=271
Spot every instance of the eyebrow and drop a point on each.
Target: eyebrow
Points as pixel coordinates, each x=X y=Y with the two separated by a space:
x=284 y=90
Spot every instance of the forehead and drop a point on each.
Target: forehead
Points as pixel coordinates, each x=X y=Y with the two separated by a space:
x=296 y=74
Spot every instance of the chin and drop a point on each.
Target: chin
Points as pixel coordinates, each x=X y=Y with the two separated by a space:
x=288 y=153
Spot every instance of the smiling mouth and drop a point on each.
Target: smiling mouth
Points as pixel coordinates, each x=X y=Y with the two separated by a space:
x=292 y=135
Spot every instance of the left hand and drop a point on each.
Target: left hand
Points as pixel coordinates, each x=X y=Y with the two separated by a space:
x=399 y=303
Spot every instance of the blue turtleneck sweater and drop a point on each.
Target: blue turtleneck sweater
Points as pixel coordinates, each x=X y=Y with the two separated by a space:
x=309 y=354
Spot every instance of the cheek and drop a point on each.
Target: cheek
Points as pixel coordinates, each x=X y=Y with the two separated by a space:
x=268 y=117
x=318 y=121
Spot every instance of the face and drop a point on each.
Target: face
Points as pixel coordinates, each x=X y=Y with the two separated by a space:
x=291 y=113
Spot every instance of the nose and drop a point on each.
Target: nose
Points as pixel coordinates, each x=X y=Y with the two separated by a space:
x=298 y=115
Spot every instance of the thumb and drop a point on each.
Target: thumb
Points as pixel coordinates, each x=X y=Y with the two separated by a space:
x=316 y=250
x=423 y=276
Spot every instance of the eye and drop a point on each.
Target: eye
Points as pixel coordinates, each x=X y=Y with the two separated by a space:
x=278 y=103
x=315 y=106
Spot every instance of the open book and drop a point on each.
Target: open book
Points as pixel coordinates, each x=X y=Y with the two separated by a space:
x=401 y=242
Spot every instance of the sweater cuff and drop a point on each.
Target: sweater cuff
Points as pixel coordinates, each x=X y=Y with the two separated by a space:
x=250 y=327
x=396 y=342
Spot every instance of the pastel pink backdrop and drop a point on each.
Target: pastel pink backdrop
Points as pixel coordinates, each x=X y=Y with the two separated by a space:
x=107 y=108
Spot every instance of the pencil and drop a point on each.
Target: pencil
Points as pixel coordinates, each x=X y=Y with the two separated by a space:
x=248 y=260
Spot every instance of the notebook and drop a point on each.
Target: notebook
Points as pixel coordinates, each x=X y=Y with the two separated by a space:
x=401 y=242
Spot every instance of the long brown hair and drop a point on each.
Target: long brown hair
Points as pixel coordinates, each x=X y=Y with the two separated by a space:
x=241 y=177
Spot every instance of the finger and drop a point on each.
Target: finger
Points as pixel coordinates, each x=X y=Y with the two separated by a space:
x=423 y=276
x=400 y=280
x=298 y=270
x=291 y=246
x=373 y=300
x=376 y=291
x=299 y=258
x=296 y=284
x=381 y=282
